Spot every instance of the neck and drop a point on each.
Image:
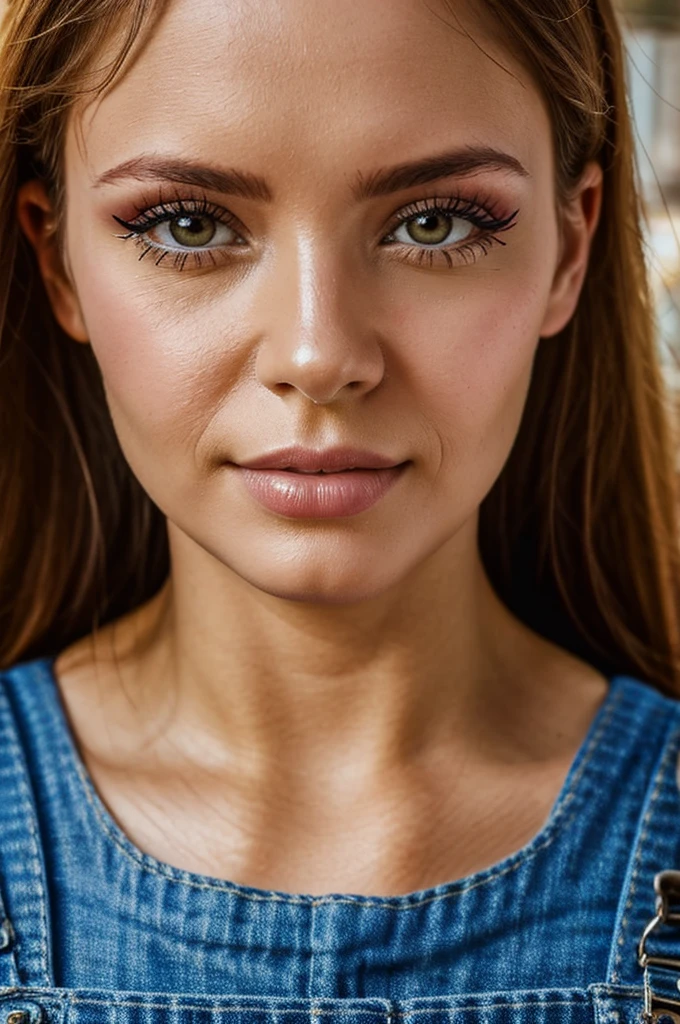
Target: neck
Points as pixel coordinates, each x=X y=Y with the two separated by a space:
x=245 y=681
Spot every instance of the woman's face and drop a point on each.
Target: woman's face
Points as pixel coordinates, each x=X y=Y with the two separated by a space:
x=239 y=317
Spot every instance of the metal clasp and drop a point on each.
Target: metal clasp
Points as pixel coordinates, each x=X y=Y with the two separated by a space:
x=660 y=1009
x=667 y=889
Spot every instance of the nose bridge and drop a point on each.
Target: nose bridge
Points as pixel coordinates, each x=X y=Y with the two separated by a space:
x=318 y=336
x=319 y=278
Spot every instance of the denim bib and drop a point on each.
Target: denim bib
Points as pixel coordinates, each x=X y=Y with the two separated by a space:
x=95 y=931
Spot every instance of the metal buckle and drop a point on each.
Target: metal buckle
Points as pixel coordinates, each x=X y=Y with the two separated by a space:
x=660 y=1009
x=667 y=889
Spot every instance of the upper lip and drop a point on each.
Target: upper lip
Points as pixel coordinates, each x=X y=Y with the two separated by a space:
x=308 y=460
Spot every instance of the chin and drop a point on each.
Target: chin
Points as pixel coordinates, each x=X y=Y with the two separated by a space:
x=329 y=590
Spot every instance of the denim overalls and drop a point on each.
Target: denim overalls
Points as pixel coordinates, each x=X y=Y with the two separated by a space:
x=94 y=931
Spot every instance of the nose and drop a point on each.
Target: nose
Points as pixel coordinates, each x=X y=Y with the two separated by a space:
x=320 y=337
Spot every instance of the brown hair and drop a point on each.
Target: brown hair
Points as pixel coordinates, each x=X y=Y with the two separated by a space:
x=579 y=534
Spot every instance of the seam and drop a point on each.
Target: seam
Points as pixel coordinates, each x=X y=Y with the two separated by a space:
x=28 y=815
x=549 y=833
x=331 y=1011
x=637 y=863
x=310 y=984
x=237 y=1007
x=601 y=988
x=476 y=1007
x=29 y=994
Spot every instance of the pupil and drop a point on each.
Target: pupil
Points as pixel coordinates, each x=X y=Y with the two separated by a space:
x=191 y=224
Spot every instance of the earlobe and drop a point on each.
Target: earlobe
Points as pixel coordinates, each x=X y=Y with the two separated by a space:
x=37 y=221
x=578 y=225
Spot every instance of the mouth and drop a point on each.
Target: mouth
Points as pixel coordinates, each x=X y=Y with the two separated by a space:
x=317 y=462
x=331 y=472
x=293 y=493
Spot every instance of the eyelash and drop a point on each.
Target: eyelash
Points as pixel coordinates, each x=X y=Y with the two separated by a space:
x=479 y=212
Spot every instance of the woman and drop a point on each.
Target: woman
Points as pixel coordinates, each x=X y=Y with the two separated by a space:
x=401 y=740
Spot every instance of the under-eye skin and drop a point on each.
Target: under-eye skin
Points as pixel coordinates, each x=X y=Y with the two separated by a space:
x=445 y=230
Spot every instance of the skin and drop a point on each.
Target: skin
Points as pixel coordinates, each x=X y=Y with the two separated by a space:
x=342 y=704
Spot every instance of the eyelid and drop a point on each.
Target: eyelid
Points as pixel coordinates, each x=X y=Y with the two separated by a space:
x=484 y=214
x=164 y=210
x=177 y=204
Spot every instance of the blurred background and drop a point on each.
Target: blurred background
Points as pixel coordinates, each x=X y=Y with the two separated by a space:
x=652 y=30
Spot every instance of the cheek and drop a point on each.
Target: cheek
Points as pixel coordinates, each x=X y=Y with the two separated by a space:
x=469 y=359
x=156 y=342
x=156 y=368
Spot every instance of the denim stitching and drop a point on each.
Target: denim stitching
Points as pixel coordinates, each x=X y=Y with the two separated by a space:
x=319 y=1011
x=173 y=1005
x=476 y=1007
x=550 y=832
x=601 y=988
x=56 y=995
x=660 y=775
x=598 y=990
x=30 y=993
x=26 y=807
x=310 y=986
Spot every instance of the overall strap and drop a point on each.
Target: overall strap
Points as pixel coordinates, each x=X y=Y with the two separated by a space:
x=656 y=849
x=25 y=953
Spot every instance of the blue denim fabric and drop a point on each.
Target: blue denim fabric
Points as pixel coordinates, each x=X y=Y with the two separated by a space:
x=101 y=933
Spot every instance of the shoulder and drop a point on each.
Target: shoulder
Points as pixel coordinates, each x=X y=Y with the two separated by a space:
x=26 y=679
x=645 y=734
x=643 y=693
x=27 y=697
x=23 y=718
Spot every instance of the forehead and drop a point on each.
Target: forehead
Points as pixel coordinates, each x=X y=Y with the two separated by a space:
x=313 y=86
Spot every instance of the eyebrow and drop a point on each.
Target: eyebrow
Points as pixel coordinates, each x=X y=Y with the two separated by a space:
x=384 y=181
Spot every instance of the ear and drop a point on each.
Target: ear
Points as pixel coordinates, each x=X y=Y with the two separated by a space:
x=38 y=222
x=578 y=221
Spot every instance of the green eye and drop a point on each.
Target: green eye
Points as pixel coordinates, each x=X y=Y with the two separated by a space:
x=191 y=231
x=430 y=229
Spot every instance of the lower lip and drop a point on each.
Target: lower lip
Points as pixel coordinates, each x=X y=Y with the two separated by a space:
x=308 y=496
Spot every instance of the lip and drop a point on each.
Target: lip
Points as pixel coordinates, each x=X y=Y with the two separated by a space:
x=331 y=496
x=332 y=460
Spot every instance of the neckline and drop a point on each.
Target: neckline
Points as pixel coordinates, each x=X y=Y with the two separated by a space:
x=573 y=788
